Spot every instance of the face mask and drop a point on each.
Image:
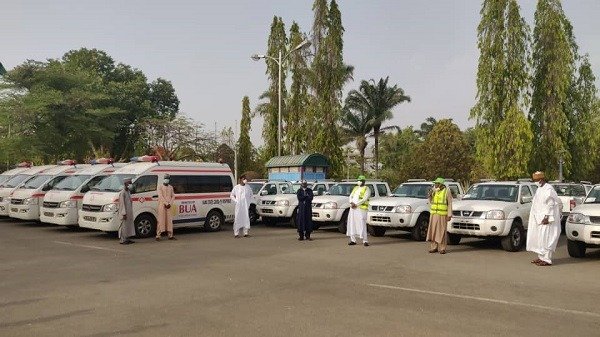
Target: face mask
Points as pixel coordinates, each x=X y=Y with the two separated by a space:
x=360 y=183
x=244 y=181
x=538 y=183
x=166 y=181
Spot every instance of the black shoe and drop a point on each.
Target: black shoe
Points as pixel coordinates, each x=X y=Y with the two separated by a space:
x=366 y=244
x=172 y=238
x=300 y=239
x=351 y=243
x=128 y=242
x=309 y=239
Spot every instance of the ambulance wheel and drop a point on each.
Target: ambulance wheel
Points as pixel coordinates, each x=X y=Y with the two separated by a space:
x=576 y=248
x=253 y=215
x=515 y=238
x=145 y=226
x=454 y=239
x=376 y=230
x=342 y=226
x=214 y=221
x=419 y=231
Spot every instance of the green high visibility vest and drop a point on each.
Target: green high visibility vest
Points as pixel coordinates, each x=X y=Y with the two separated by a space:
x=439 y=204
x=364 y=190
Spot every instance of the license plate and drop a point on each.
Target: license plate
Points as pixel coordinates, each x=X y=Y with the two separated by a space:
x=16 y=210
x=48 y=214
x=89 y=218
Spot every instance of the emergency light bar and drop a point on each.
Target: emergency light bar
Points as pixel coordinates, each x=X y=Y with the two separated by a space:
x=149 y=159
x=102 y=161
x=69 y=162
x=24 y=164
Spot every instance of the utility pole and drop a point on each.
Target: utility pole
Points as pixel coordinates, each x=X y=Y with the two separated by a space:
x=235 y=153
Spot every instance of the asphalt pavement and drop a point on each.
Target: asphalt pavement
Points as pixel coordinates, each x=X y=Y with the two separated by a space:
x=61 y=282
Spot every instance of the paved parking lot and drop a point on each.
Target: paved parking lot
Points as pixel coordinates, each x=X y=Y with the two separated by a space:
x=61 y=282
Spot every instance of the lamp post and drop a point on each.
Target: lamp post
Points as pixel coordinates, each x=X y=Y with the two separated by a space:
x=279 y=60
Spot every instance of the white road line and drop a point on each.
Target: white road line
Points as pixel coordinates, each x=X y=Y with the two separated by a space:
x=489 y=300
x=91 y=247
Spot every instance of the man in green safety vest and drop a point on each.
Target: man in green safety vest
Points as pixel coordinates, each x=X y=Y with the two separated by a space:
x=440 y=198
x=357 y=217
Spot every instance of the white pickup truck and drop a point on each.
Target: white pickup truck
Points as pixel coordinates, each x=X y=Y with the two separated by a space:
x=583 y=225
x=281 y=207
x=407 y=209
x=333 y=207
x=493 y=209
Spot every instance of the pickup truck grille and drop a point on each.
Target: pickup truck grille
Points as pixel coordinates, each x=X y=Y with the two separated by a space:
x=314 y=205
x=595 y=219
x=91 y=208
x=467 y=214
x=315 y=215
x=381 y=219
x=48 y=204
x=16 y=201
x=595 y=235
x=267 y=202
x=382 y=208
x=268 y=211
x=468 y=226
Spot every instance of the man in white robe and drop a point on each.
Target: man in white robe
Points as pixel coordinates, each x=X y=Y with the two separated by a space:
x=125 y=214
x=544 y=221
x=242 y=197
x=357 y=216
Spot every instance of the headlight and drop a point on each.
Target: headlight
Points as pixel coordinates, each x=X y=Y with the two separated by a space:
x=68 y=204
x=330 y=205
x=110 y=208
x=30 y=201
x=282 y=203
x=577 y=218
x=403 y=209
x=495 y=215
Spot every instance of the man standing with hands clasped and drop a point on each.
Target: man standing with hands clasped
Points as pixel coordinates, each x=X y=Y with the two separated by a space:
x=166 y=200
x=440 y=199
x=241 y=195
x=304 y=214
x=357 y=218
x=544 y=221
x=125 y=212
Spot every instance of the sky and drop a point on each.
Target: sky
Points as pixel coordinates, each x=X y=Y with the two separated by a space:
x=427 y=47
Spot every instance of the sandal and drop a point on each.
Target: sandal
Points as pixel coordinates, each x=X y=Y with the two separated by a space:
x=536 y=261
x=543 y=264
x=433 y=251
x=442 y=252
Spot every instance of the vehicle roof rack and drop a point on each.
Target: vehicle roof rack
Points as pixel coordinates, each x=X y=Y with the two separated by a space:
x=486 y=180
x=416 y=180
x=524 y=180
x=586 y=182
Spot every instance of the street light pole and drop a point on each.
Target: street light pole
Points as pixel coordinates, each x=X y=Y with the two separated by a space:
x=279 y=60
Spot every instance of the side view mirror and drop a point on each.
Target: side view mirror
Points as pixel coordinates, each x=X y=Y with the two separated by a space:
x=264 y=192
x=460 y=196
x=525 y=200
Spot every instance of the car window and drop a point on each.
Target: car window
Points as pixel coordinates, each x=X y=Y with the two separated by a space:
x=571 y=190
x=271 y=189
x=372 y=189
x=145 y=184
x=454 y=190
x=319 y=189
x=412 y=190
x=497 y=192
x=525 y=192
x=382 y=190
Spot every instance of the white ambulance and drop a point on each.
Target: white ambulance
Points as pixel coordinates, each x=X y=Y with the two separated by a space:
x=10 y=185
x=5 y=176
x=61 y=204
x=201 y=196
x=26 y=200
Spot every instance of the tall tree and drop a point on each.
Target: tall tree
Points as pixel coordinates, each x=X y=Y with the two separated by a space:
x=328 y=76
x=583 y=139
x=276 y=44
x=554 y=55
x=356 y=125
x=502 y=131
x=297 y=121
x=243 y=144
x=426 y=127
x=376 y=100
x=165 y=103
x=398 y=155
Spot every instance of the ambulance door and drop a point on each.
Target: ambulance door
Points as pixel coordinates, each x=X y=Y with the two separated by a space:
x=144 y=195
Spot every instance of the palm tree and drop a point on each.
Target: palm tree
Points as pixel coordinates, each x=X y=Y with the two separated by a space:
x=356 y=126
x=376 y=100
x=426 y=127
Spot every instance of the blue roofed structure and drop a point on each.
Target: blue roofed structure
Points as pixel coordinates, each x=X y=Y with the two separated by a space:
x=293 y=168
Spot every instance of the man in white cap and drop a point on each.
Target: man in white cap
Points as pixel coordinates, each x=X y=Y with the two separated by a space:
x=544 y=221
x=241 y=195
x=357 y=217
x=125 y=214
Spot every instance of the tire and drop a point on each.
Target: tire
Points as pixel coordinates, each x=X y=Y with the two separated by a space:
x=454 y=239
x=515 y=238
x=376 y=230
x=253 y=215
x=214 y=221
x=576 y=248
x=342 y=225
x=419 y=231
x=145 y=226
